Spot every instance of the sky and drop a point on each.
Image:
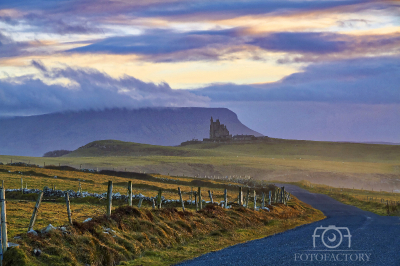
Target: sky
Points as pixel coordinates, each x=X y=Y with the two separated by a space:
x=318 y=70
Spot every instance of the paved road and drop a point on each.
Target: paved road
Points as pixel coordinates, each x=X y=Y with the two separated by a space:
x=375 y=240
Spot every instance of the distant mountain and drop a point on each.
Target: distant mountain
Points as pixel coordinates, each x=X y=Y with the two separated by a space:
x=36 y=135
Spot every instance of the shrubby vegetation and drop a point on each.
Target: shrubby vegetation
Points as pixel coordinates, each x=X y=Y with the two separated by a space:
x=56 y=153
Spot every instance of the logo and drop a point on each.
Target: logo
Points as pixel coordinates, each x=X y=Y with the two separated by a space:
x=331 y=236
x=332 y=243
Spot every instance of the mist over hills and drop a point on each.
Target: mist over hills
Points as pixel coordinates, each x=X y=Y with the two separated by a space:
x=35 y=135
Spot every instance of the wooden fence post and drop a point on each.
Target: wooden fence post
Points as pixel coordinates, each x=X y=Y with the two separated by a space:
x=3 y=220
x=159 y=199
x=109 y=198
x=226 y=198
x=35 y=211
x=180 y=197
x=263 y=200
x=80 y=187
x=191 y=195
x=255 y=200
x=200 y=200
x=130 y=193
x=22 y=186
x=240 y=199
x=68 y=208
x=140 y=202
x=278 y=193
x=195 y=201
x=153 y=204
x=211 y=198
x=247 y=197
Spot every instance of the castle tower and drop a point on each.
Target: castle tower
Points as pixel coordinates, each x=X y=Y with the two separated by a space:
x=211 y=128
x=218 y=130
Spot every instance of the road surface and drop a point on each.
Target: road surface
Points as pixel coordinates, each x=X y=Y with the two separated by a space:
x=374 y=239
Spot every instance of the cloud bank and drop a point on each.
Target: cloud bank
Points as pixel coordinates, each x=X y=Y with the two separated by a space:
x=88 y=89
x=363 y=80
x=169 y=45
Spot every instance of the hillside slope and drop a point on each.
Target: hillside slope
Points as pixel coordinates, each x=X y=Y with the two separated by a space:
x=35 y=135
x=103 y=148
x=271 y=148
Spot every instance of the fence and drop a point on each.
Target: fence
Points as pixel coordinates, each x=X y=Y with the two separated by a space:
x=276 y=196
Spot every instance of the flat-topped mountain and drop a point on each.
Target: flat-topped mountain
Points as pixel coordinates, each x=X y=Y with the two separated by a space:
x=35 y=135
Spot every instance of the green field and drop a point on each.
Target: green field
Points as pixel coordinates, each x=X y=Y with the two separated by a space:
x=367 y=166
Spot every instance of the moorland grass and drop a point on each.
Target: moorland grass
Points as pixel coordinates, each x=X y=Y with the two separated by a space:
x=155 y=237
x=278 y=155
x=142 y=236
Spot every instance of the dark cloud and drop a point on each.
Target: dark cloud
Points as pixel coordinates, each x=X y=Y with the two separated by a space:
x=52 y=23
x=167 y=45
x=323 y=43
x=39 y=65
x=90 y=89
x=178 y=8
x=9 y=20
x=302 y=42
x=365 y=80
x=87 y=16
x=155 y=44
x=10 y=48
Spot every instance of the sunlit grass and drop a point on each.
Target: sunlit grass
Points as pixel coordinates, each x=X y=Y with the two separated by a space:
x=145 y=236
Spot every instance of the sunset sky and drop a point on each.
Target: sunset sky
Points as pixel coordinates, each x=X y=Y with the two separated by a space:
x=320 y=70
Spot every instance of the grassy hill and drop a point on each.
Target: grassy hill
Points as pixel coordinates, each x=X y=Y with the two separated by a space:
x=274 y=148
x=123 y=148
x=368 y=166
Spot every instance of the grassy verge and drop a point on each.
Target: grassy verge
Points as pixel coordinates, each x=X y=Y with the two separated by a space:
x=155 y=237
x=379 y=202
x=215 y=242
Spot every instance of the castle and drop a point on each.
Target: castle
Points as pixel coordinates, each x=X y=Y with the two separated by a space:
x=218 y=130
x=219 y=133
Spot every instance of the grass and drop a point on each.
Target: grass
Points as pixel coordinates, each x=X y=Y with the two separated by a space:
x=367 y=166
x=213 y=242
x=146 y=184
x=379 y=202
x=230 y=159
x=156 y=237
x=142 y=236
x=275 y=148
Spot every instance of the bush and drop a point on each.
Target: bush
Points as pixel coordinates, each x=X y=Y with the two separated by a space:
x=56 y=153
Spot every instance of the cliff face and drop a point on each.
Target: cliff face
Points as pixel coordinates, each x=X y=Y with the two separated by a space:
x=35 y=135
